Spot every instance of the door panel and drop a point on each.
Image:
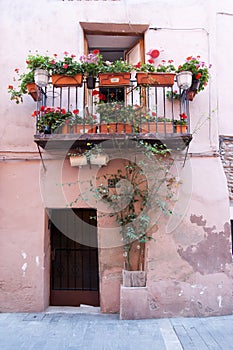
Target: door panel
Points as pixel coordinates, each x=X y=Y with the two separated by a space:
x=74 y=265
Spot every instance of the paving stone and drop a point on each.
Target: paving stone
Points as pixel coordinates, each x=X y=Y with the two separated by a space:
x=64 y=331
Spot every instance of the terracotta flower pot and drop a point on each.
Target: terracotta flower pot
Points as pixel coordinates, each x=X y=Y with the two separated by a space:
x=67 y=80
x=34 y=91
x=181 y=129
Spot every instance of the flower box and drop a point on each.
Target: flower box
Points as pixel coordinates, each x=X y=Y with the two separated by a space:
x=114 y=79
x=109 y=128
x=124 y=127
x=84 y=129
x=159 y=127
x=67 y=80
x=112 y=128
x=155 y=79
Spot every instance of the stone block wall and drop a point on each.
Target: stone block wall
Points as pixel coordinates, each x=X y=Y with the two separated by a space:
x=226 y=153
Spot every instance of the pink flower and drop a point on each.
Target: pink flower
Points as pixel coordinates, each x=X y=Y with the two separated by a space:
x=65 y=65
x=66 y=53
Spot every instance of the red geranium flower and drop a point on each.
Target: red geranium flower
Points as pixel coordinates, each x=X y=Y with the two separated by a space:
x=95 y=92
x=10 y=87
x=76 y=111
x=96 y=52
x=42 y=108
x=102 y=97
x=183 y=116
x=138 y=65
x=151 y=61
x=198 y=75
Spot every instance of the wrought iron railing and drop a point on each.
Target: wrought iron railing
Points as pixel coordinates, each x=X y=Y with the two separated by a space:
x=167 y=106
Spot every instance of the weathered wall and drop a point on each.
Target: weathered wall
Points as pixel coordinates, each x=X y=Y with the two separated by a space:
x=22 y=265
x=189 y=268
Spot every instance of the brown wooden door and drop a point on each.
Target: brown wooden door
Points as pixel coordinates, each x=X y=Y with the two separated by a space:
x=74 y=258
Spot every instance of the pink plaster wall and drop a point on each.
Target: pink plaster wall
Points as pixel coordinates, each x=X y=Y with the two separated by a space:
x=22 y=238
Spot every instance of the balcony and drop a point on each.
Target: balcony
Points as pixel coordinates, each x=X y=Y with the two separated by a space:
x=139 y=106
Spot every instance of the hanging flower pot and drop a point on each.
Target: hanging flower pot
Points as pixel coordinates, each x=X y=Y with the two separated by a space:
x=41 y=77
x=90 y=82
x=184 y=79
x=34 y=91
x=195 y=84
x=78 y=160
x=99 y=159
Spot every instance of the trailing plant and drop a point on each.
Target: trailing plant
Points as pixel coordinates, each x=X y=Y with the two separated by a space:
x=16 y=94
x=137 y=198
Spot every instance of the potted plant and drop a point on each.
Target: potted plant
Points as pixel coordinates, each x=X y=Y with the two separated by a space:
x=181 y=124
x=117 y=73
x=150 y=75
x=26 y=86
x=40 y=65
x=66 y=71
x=91 y=67
x=50 y=119
x=200 y=74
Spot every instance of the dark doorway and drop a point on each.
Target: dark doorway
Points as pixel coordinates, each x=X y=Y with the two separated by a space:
x=74 y=257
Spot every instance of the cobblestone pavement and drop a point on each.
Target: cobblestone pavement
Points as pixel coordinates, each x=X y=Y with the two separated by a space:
x=91 y=330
